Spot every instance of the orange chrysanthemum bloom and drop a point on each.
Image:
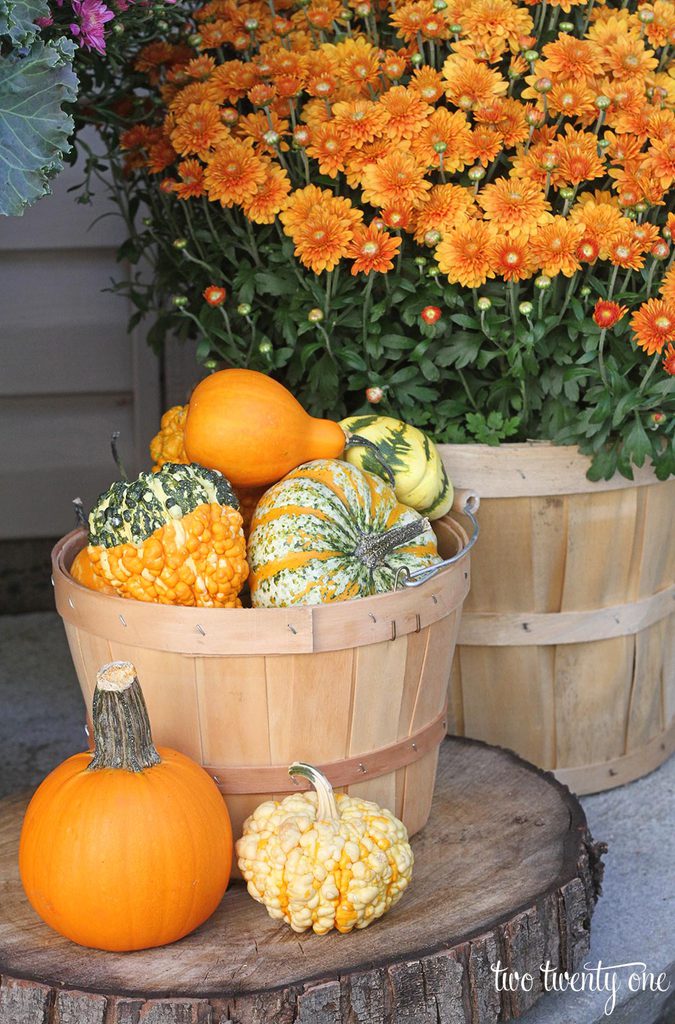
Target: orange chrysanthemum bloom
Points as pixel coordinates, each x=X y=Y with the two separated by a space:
x=483 y=145
x=161 y=154
x=577 y=158
x=357 y=63
x=199 y=129
x=359 y=121
x=661 y=29
x=323 y=239
x=469 y=85
x=487 y=22
x=233 y=173
x=601 y=219
x=200 y=67
x=624 y=149
x=625 y=252
x=396 y=178
x=511 y=258
x=215 y=34
x=669 y=359
x=260 y=131
x=442 y=209
x=464 y=253
x=644 y=234
x=399 y=217
x=659 y=162
x=195 y=92
x=330 y=148
x=571 y=58
x=607 y=313
x=443 y=140
x=369 y=154
x=407 y=112
x=300 y=205
x=628 y=58
x=372 y=249
x=264 y=205
x=518 y=207
x=667 y=289
x=573 y=99
x=191 y=183
x=554 y=247
x=409 y=18
x=654 y=325
x=428 y=83
x=233 y=80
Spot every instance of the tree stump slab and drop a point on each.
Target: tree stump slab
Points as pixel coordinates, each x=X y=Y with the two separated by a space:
x=505 y=871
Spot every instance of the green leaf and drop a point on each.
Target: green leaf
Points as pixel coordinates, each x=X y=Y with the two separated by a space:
x=34 y=129
x=274 y=284
x=637 y=444
x=17 y=19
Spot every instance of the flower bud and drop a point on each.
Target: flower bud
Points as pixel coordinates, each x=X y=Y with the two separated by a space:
x=265 y=347
x=661 y=250
x=118 y=28
x=271 y=137
x=432 y=237
x=179 y=243
x=417 y=60
x=243 y=309
x=525 y=308
x=179 y=301
x=455 y=28
x=602 y=102
x=641 y=207
x=229 y=115
x=440 y=5
x=531 y=55
x=433 y=271
x=543 y=282
x=476 y=173
x=440 y=147
x=585 y=291
x=484 y=303
x=194 y=39
x=566 y=26
x=656 y=418
x=543 y=85
x=210 y=364
x=431 y=314
x=374 y=395
x=251 y=24
x=646 y=16
x=420 y=261
x=567 y=193
x=315 y=315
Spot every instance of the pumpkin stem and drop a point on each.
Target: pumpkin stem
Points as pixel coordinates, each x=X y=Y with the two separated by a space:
x=122 y=737
x=373 y=548
x=355 y=440
x=326 y=808
x=114 y=438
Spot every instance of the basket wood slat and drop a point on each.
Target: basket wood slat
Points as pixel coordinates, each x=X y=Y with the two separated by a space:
x=565 y=652
x=247 y=691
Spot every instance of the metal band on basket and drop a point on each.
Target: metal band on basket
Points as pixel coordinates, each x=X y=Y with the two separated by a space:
x=241 y=779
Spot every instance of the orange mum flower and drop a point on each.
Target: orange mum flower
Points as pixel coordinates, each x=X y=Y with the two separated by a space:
x=233 y=173
x=199 y=129
x=443 y=207
x=396 y=178
x=496 y=22
x=323 y=239
x=571 y=58
x=428 y=83
x=469 y=84
x=330 y=148
x=263 y=206
x=359 y=121
x=601 y=219
x=516 y=206
x=214 y=295
x=628 y=58
x=192 y=179
x=409 y=18
x=667 y=288
x=554 y=247
x=625 y=251
x=398 y=217
x=195 y=92
x=464 y=253
x=645 y=235
x=573 y=99
x=577 y=158
x=261 y=132
x=483 y=145
x=511 y=258
x=371 y=248
x=443 y=140
x=654 y=325
x=669 y=359
x=660 y=161
x=659 y=31
x=607 y=313
x=407 y=111
x=358 y=63
x=508 y=118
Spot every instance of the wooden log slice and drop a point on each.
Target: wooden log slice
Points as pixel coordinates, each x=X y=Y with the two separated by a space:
x=505 y=870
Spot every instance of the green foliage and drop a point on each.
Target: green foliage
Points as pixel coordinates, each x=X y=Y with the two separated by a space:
x=36 y=80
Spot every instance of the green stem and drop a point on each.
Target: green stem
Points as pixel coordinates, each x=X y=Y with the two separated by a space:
x=326 y=808
x=645 y=379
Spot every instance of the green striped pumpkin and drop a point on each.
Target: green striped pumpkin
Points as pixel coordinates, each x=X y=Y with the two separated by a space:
x=329 y=532
x=420 y=479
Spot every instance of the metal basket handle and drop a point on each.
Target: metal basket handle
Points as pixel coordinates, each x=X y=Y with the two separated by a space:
x=405 y=578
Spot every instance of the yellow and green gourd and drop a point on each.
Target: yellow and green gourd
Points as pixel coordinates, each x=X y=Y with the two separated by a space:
x=329 y=532
x=420 y=480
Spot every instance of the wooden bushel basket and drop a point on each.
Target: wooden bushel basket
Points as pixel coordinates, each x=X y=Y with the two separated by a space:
x=358 y=688
x=566 y=651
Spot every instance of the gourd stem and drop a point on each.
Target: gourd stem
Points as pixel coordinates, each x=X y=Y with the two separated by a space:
x=373 y=548
x=122 y=737
x=326 y=808
x=355 y=440
x=114 y=438
x=79 y=513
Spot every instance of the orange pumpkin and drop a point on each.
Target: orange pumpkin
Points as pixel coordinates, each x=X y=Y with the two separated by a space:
x=82 y=570
x=249 y=427
x=130 y=847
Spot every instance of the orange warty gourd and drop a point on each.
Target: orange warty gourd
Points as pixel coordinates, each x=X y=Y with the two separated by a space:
x=130 y=847
x=250 y=427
